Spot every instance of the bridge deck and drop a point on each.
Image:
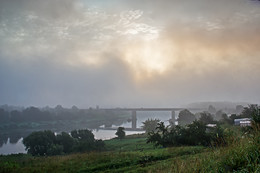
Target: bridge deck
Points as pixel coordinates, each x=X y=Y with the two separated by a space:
x=134 y=114
x=150 y=109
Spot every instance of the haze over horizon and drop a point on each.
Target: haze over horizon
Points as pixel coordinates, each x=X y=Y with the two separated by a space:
x=129 y=53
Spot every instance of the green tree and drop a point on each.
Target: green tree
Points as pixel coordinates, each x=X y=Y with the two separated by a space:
x=55 y=149
x=226 y=119
x=66 y=141
x=15 y=116
x=193 y=134
x=4 y=117
x=83 y=135
x=196 y=134
x=239 y=109
x=212 y=109
x=85 y=141
x=249 y=111
x=185 y=117
x=219 y=115
x=160 y=136
x=233 y=117
x=150 y=125
x=206 y=118
x=256 y=118
x=120 y=132
x=46 y=143
x=38 y=143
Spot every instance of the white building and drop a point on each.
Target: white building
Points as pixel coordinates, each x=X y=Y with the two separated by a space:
x=243 y=122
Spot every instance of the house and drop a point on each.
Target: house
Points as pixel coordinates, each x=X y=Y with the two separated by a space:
x=211 y=125
x=243 y=122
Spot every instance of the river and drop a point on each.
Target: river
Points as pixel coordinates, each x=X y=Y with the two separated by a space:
x=10 y=147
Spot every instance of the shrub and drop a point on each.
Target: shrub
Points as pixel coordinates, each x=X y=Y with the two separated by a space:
x=193 y=134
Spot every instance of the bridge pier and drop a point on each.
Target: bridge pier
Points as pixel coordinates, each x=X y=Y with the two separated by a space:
x=134 y=119
x=172 y=121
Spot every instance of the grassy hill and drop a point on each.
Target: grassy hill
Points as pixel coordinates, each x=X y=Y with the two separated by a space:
x=134 y=155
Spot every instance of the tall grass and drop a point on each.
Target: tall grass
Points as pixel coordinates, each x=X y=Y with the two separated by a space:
x=241 y=154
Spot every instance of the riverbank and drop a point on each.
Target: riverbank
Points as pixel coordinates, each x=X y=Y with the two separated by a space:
x=14 y=144
x=15 y=131
x=130 y=154
x=134 y=155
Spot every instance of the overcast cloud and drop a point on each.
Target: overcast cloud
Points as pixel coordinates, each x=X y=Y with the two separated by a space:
x=122 y=53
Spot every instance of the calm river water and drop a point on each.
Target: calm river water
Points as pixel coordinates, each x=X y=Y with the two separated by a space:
x=13 y=148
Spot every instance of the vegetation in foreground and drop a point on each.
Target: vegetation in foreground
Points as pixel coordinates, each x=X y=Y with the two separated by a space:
x=132 y=154
x=241 y=153
x=128 y=155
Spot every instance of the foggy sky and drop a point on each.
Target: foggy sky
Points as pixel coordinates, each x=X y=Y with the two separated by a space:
x=128 y=53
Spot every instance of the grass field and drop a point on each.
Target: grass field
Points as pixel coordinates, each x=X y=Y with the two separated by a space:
x=134 y=155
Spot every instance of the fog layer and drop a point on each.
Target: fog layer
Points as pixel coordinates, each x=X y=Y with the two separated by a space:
x=128 y=53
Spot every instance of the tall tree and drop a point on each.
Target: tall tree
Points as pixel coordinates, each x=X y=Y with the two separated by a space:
x=219 y=115
x=150 y=125
x=256 y=118
x=185 y=117
x=212 y=109
x=120 y=132
x=38 y=143
x=206 y=118
x=66 y=141
x=249 y=111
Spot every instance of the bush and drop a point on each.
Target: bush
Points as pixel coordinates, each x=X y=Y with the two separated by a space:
x=196 y=133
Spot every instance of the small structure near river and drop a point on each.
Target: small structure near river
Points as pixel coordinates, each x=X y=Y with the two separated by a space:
x=243 y=122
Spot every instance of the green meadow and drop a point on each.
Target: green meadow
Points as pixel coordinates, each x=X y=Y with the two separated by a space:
x=133 y=154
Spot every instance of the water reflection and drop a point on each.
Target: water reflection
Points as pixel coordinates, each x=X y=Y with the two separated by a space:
x=8 y=147
x=12 y=137
x=12 y=148
x=11 y=141
x=108 y=134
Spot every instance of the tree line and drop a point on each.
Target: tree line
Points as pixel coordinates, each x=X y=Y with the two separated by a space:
x=196 y=133
x=44 y=143
x=212 y=116
x=34 y=114
x=192 y=131
x=47 y=143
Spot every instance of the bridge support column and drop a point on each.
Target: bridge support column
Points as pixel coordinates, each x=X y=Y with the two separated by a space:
x=172 y=121
x=134 y=119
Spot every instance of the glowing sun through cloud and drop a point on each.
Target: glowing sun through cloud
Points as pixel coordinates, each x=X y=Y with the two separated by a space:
x=148 y=58
x=128 y=52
